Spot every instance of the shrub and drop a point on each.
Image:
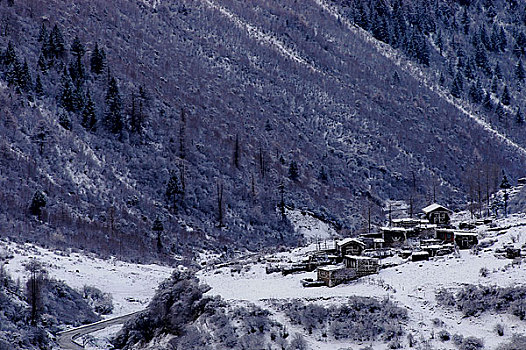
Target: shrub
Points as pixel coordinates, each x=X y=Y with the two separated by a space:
x=471 y=343
x=499 y=329
x=361 y=319
x=101 y=302
x=444 y=335
x=458 y=339
x=516 y=342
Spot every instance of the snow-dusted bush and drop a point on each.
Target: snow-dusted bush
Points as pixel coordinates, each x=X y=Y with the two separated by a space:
x=471 y=343
x=516 y=342
x=101 y=302
x=199 y=322
x=499 y=329
x=473 y=300
x=359 y=319
x=444 y=335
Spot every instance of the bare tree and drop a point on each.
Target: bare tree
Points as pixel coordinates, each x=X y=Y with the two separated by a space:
x=34 y=289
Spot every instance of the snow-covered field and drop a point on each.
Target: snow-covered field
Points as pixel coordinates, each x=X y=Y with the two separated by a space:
x=131 y=285
x=411 y=284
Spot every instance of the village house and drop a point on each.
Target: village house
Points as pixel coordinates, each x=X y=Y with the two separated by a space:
x=362 y=265
x=420 y=256
x=333 y=275
x=465 y=240
x=445 y=235
x=408 y=222
x=350 y=246
x=437 y=214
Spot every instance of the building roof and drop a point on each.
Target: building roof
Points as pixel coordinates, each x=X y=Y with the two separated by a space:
x=395 y=229
x=409 y=221
x=466 y=233
x=350 y=240
x=359 y=257
x=331 y=267
x=420 y=253
x=433 y=207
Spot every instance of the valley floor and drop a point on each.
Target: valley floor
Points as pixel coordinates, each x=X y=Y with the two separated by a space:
x=410 y=284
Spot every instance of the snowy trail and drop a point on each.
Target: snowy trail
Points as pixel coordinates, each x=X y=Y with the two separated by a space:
x=262 y=37
x=386 y=51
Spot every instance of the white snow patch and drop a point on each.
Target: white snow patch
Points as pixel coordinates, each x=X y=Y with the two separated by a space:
x=309 y=226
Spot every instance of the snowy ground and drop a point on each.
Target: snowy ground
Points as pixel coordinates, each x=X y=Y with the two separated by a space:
x=311 y=228
x=131 y=285
x=412 y=285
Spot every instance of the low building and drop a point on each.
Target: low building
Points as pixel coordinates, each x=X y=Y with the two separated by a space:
x=394 y=236
x=437 y=214
x=362 y=265
x=350 y=246
x=446 y=235
x=419 y=256
x=332 y=275
x=408 y=222
x=466 y=240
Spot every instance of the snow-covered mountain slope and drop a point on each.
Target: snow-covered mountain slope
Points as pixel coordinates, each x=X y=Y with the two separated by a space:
x=264 y=87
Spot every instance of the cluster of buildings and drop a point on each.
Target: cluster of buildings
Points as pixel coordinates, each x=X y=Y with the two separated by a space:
x=417 y=239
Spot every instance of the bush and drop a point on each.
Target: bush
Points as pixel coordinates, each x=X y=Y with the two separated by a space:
x=471 y=343
x=516 y=342
x=499 y=329
x=474 y=300
x=361 y=319
x=101 y=302
x=458 y=339
x=444 y=335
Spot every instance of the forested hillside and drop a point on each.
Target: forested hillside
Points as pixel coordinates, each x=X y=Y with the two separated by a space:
x=148 y=130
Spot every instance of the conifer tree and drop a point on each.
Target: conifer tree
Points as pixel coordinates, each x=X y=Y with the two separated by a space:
x=43 y=34
x=39 y=88
x=77 y=48
x=24 y=81
x=520 y=75
x=293 y=171
x=158 y=228
x=37 y=203
x=9 y=56
x=136 y=114
x=89 y=118
x=174 y=191
x=475 y=92
x=481 y=59
x=505 y=99
x=42 y=64
x=97 y=60
x=65 y=121
x=457 y=87
x=113 y=117
x=56 y=42
x=519 y=119
x=66 y=97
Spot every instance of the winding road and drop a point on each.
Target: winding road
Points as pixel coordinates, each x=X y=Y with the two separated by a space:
x=66 y=339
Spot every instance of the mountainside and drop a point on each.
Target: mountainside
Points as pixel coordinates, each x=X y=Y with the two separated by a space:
x=204 y=118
